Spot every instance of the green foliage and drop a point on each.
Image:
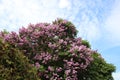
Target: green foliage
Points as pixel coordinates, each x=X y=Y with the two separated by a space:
x=86 y=43
x=14 y=65
x=98 y=69
x=70 y=28
x=5 y=31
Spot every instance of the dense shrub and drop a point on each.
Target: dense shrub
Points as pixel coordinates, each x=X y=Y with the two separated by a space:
x=55 y=50
x=14 y=65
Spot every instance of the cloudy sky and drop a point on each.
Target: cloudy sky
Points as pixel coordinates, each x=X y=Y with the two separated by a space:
x=97 y=21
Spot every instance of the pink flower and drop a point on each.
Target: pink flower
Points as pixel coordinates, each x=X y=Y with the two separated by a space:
x=67 y=72
x=37 y=64
x=50 y=68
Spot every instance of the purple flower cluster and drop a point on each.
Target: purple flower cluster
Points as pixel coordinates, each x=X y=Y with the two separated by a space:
x=53 y=49
x=12 y=37
x=43 y=57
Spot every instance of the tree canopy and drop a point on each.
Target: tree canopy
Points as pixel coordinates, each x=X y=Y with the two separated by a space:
x=56 y=53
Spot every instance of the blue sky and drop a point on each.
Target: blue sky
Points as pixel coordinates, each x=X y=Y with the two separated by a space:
x=98 y=21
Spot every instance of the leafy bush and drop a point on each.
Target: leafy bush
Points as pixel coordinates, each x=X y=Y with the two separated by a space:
x=14 y=65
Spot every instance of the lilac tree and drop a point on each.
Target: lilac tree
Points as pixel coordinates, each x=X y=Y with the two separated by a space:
x=53 y=49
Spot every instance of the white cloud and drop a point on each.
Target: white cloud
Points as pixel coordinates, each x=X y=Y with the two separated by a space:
x=112 y=25
x=17 y=13
x=116 y=76
x=89 y=30
x=64 y=4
